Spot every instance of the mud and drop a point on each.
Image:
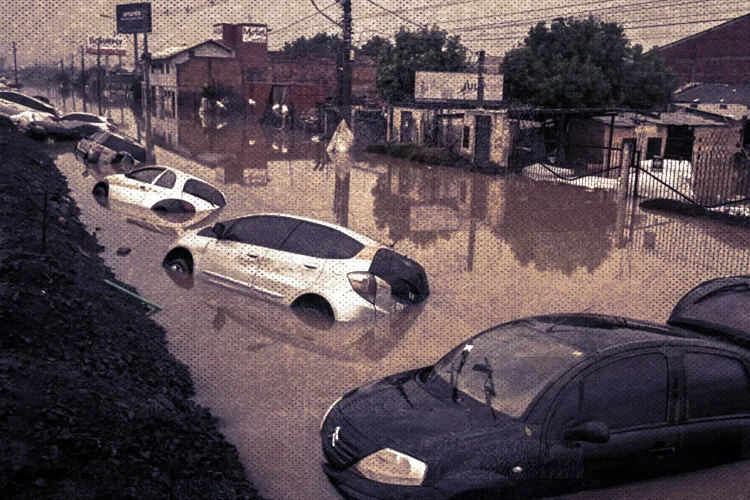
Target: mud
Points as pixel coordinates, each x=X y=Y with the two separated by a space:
x=92 y=404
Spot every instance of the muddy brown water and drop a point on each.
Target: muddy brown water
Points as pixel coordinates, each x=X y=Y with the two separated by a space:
x=494 y=248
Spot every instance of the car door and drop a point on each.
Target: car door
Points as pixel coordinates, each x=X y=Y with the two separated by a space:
x=715 y=409
x=298 y=262
x=634 y=397
x=160 y=189
x=232 y=261
x=133 y=187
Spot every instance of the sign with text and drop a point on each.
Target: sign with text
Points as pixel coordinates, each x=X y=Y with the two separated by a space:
x=106 y=45
x=255 y=34
x=434 y=87
x=133 y=18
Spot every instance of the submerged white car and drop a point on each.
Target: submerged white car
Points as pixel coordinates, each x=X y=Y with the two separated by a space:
x=162 y=189
x=303 y=263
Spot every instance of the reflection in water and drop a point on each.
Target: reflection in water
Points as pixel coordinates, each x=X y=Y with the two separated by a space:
x=558 y=228
x=368 y=340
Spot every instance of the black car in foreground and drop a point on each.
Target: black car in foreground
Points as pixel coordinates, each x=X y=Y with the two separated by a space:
x=547 y=404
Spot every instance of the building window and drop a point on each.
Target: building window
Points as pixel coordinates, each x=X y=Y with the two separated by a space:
x=167 y=65
x=467 y=133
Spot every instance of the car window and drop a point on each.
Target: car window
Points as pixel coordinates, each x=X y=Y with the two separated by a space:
x=146 y=175
x=265 y=231
x=204 y=191
x=167 y=180
x=27 y=101
x=629 y=392
x=716 y=385
x=81 y=118
x=315 y=240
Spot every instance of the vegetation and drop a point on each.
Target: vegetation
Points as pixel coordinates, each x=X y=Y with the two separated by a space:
x=583 y=64
x=322 y=44
x=426 y=49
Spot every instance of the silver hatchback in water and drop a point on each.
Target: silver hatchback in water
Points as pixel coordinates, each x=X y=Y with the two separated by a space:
x=307 y=264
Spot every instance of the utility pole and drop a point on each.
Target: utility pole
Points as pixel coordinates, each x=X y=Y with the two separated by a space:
x=480 y=78
x=15 y=63
x=147 y=97
x=346 y=77
x=99 y=73
x=135 y=54
x=83 y=79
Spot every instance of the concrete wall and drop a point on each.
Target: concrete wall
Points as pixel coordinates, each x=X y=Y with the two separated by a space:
x=501 y=136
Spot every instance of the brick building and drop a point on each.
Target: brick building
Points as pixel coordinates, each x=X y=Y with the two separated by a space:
x=718 y=55
x=237 y=62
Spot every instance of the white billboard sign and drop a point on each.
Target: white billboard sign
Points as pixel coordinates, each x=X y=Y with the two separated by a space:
x=434 y=86
x=106 y=45
x=255 y=34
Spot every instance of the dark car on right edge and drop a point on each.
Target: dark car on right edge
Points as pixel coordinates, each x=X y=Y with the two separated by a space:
x=549 y=404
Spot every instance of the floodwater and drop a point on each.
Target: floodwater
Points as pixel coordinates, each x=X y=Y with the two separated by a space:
x=494 y=248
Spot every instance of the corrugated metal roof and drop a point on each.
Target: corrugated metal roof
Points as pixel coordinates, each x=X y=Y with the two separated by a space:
x=173 y=51
x=715 y=93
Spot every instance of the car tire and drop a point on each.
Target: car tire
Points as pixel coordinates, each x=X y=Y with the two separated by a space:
x=100 y=191
x=179 y=265
x=315 y=311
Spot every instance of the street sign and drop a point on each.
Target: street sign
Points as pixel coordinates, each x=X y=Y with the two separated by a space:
x=106 y=45
x=435 y=87
x=133 y=18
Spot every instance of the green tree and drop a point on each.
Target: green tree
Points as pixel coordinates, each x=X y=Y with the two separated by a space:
x=426 y=49
x=321 y=44
x=583 y=64
x=374 y=45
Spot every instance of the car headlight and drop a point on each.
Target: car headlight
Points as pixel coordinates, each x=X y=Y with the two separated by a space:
x=329 y=411
x=392 y=467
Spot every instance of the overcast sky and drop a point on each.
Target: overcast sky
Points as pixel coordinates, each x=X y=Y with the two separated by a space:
x=47 y=30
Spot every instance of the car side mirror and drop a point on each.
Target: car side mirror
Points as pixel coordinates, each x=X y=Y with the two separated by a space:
x=218 y=230
x=591 y=432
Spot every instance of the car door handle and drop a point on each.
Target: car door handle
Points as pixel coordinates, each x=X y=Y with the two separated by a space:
x=143 y=188
x=310 y=266
x=666 y=450
x=251 y=256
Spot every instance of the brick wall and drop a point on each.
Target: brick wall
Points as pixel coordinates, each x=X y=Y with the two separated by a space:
x=720 y=55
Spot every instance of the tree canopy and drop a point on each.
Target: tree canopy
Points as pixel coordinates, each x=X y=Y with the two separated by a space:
x=426 y=49
x=321 y=44
x=586 y=63
x=374 y=45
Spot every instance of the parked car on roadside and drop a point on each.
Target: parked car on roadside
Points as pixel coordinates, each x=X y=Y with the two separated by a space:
x=27 y=102
x=73 y=126
x=540 y=405
x=303 y=263
x=109 y=148
x=161 y=189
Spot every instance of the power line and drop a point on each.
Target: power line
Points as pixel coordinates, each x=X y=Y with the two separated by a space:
x=314 y=14
x=325 y=15
x=524 y=23
x=660 y=5
x=393 y=13
x=703 y=21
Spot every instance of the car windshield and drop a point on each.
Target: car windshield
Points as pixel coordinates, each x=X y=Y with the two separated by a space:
x=523 y=361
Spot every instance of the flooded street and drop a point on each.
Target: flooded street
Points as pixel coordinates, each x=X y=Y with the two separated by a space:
x=494 y=248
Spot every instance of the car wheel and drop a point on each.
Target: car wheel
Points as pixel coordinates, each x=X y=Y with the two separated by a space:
x=100 y=191
x=315 y=311
x=178 y=265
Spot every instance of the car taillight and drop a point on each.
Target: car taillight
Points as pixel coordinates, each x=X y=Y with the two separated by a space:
x=364 y=284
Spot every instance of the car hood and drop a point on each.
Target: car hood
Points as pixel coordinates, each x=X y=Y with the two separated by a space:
x=398 y=412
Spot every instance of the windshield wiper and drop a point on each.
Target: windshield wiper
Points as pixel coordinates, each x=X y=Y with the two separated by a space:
x=489 y=384
x=454 y=375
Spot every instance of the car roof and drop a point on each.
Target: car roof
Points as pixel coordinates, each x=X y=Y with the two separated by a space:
x=594 y=334
x=359 y=237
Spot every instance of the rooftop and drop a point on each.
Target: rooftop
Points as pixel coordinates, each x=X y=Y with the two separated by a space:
x=715 y=93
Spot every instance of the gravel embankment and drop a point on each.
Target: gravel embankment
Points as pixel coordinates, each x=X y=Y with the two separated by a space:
x=92 y=404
